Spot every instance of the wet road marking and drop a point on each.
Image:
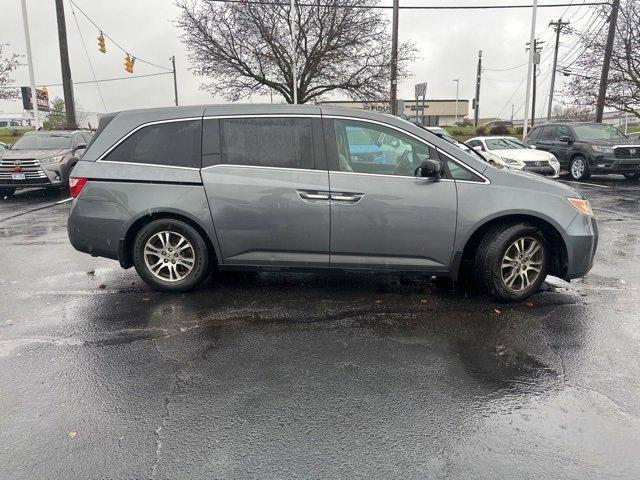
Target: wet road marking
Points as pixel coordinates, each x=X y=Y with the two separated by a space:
x=584 y=183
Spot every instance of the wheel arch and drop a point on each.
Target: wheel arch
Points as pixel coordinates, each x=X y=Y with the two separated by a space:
x=555 y=242
x=126 y=242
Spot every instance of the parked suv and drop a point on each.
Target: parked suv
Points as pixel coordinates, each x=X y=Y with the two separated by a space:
x=41 y=159
x=179 y=192
x=584 y=148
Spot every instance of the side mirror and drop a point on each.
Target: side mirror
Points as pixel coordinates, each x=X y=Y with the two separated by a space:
x=533 y=146
x=477 y=148
x=565 y=139
x=81 y=146
x=431 y=168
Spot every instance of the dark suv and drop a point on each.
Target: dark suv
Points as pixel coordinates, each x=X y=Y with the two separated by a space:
x=584 y=148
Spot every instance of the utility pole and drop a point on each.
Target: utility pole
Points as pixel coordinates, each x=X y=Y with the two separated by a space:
x=67 y=84
x=457 y=80
x=175 y=81
x=613 y=20
x=476 y=113
x=294 y=67
x=534 y=12
x=558 y=26
x=394 y=59
x=27 y=40
x=536 y=62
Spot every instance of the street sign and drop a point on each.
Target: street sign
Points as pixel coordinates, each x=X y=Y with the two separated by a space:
x=43 y=99
x=421 y=89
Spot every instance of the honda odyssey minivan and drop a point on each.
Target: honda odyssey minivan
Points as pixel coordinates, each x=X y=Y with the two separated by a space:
x=181 y=192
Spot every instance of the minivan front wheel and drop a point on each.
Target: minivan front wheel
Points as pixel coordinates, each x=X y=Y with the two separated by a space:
x=170 y=255
x=511 y=262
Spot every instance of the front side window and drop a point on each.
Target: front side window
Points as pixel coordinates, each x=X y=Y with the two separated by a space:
x=267 y=142
x=546 y=133
x=168 y=144
x=368 y=148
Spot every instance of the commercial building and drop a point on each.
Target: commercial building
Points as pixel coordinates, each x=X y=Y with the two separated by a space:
x=436 y=112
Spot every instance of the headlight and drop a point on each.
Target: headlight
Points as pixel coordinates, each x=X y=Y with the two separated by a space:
x=511 y=161
x=601 y=149
x=583 y=206
x=553 y=160
x=56 y=159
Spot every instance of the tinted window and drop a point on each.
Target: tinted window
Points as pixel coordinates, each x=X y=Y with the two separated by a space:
x=546 y=133
x=267 y=142
x=562 y=131
x=368 y=148
x=172 y=143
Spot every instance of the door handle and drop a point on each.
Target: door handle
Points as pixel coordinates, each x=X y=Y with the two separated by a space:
x=346 y=197
x=313 y=195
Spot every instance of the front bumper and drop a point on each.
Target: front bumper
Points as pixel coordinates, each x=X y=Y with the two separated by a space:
x=581 y=242
x=36 y=175
x=602 y=164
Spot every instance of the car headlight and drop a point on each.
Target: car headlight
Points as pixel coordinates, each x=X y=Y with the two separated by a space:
x=601 y=149
x=511 y=161
x=56 y=159
x=553 y=160
x=583 y=206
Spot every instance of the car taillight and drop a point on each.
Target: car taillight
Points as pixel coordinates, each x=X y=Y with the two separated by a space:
x=76 y=185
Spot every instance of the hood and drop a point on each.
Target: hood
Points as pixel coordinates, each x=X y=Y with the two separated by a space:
x=524 y=154
x=531 y=181
x=28 y=154
x=612 y=143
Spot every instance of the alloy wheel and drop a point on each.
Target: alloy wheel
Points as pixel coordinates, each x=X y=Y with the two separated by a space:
x=522 y=264
x=169 y=256
x=577 y=168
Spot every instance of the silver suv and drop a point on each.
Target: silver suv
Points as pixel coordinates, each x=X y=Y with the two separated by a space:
x=180 y=192
x=41 y=159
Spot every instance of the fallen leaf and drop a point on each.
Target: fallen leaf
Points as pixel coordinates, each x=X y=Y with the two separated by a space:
x=145 y=299
x=497 y=311
x=378 y=302
x=102 y=286
x=423 y=300
x=91 y=272
x=72 y=434
x=8 y=322
x=529 y=304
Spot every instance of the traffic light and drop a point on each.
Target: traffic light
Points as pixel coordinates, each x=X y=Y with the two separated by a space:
x=128 y=63
x=101 y=46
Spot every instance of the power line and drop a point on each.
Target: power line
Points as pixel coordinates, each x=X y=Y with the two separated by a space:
x=124 y=50
x=112 y=79
x=84 y=45
x=505 y=69
x=413 y=7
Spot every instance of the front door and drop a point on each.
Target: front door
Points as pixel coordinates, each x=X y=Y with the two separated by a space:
x=268 y=190
x=387 y=219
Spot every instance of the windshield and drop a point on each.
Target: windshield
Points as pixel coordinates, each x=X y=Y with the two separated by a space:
x=43 y=141
x=597 y=131
x=505 y=144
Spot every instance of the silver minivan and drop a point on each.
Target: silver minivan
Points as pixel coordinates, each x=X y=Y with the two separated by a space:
x=181 y=192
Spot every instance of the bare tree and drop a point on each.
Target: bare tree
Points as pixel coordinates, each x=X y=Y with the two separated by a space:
x=623 y=88
x=573 y=112
x=245 y=48
x=7 y=66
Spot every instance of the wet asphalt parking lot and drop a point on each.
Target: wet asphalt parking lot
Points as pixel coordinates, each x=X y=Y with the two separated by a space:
x=323 y=376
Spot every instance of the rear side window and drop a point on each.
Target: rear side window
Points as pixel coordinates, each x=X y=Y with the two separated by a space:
x=267 y=142
x=175 y=144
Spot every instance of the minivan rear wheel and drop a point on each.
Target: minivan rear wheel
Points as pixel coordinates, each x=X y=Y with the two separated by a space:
x=511 y=262
x=170 y=255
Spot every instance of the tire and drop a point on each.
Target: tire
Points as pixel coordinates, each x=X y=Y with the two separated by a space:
x=7 y=192
x=488 y=264
x=172 y=274
x=632 y=176
x=579 y=168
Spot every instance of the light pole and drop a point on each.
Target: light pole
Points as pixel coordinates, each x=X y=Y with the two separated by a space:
x=457 y=80
x=534 y=12
x=34 y=94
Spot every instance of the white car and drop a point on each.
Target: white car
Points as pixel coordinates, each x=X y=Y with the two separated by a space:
x=509 y=152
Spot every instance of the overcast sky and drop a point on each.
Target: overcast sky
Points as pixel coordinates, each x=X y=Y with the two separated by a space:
x=448 y=43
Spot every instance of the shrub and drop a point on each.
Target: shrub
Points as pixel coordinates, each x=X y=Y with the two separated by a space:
x=519 y=130
x=481 y=130
x=499 y=130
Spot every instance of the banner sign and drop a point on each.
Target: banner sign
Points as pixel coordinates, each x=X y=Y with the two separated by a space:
x=43 y=99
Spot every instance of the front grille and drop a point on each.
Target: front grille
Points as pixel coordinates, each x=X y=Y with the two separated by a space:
x=537 y=163
x=30 y=167
x=627 y=152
